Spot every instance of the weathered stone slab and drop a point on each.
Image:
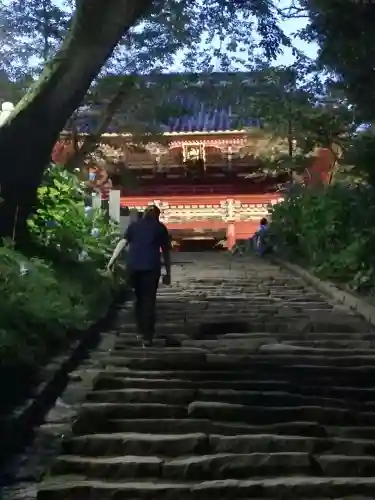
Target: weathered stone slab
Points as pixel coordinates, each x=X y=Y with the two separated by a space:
x=114 y=468
x=236 y=466
x=140 y=444
x=174 y=396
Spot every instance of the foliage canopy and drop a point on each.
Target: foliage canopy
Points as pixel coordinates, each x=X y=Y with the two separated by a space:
x=331 y=231
x=346 y=40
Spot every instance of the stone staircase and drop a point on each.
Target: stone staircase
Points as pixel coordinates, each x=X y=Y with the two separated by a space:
x=256 y=387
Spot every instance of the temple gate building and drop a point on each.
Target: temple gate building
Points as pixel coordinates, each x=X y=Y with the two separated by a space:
x=205 y=175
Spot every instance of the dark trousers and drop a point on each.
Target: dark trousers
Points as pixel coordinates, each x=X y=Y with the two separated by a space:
x=145 y=285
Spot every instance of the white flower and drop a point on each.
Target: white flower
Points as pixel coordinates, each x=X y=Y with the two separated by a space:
x=95 y=232
x=83 y=256
x=23 y=269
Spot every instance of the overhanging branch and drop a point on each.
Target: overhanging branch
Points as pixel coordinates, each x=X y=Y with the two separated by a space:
x=91 y=141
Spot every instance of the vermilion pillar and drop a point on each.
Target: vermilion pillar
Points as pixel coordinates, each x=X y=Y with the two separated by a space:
x=231 y=235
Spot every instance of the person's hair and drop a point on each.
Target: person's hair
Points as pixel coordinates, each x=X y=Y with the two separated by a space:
x=152 y=211
x=263 y=222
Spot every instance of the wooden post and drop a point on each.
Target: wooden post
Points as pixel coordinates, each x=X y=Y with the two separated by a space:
x=114 y=204
x=97 y=201
x=231 y=235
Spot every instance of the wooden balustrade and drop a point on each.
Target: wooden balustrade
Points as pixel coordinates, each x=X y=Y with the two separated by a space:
x=224 y=189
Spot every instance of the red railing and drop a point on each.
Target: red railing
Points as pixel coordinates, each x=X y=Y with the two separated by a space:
x=224 y=189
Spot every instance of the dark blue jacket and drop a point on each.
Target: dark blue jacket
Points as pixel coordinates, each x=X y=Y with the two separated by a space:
x=145 y=238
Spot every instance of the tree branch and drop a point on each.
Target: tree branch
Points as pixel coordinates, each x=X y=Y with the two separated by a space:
x=91 y=141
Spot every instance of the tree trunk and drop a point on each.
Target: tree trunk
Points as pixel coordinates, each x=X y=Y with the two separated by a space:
x=290 y=138
x=337 y=150
x=46 y=32
x=75 y=136
x=91 y=141
x=290 y=146
x=28 y=136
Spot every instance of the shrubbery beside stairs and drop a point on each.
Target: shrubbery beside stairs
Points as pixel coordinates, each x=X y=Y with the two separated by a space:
x=56 y=287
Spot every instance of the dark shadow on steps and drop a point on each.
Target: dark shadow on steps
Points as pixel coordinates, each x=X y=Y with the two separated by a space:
x=17 y=429
x=214 y=329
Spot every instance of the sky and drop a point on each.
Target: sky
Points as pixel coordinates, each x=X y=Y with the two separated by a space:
x=290 y=27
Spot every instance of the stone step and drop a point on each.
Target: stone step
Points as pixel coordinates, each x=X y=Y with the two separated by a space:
x=275 y=398
x=174 y=396
x=259 y=352
x=135 y=410
x=268 y=415
x=271 y=443
x=170 y=355
x=256 y=387
x=186 y=396
x=353 y=345
x=357 y=347
x=265 y=322
x=174 y=445
x=209 y=467
x=317 y=354
x=233 y=305
x=295 y=487
x=262 y=348
x=105 y=383
x=302 y=374
x=299 y=326
x=234 y=301
x=109 y=382
x=87 y=424
x=314 y=340
x=272 y=360
x=109 y=468
x=285 y=336
x=232 y=412
x=275 y=354
x=244 y=466
x=129 y=339
x=157 y=352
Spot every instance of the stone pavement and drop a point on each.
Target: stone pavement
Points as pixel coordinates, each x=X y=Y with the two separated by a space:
x=257 y=387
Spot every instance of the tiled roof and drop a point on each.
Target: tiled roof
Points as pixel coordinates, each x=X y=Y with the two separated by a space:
x=200 y=119
x=195 y=117
x=205 y=119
